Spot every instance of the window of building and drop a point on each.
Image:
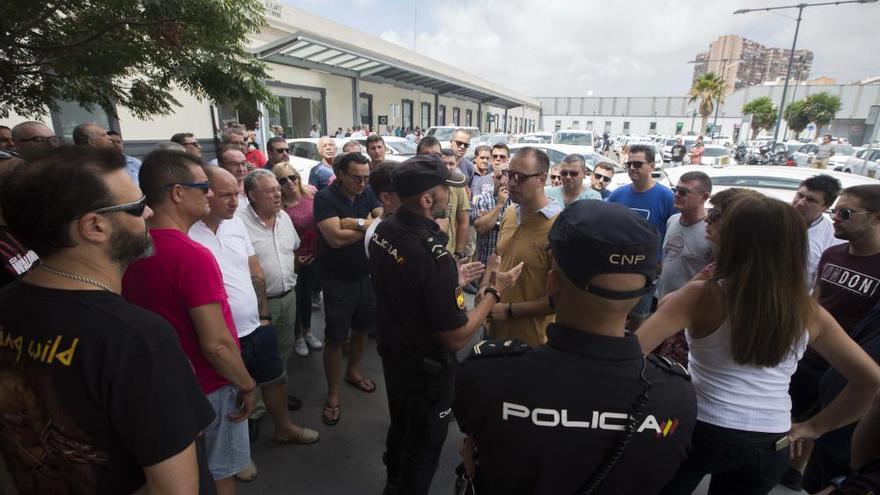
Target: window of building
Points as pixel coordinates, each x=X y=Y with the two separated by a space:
x=426 y=115
x=652 y=128
x=300 y=108
x=468 y=117
x=407 y=106
x=589 y=125
x=558 y=125
x=70 y=115
x=366 y=109
x=576 y=124
x=626 y=127
x=456 y=116
x=608 y=126
x=441 y=114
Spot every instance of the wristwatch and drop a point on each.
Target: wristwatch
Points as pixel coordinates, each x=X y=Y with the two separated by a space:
x=362 y=224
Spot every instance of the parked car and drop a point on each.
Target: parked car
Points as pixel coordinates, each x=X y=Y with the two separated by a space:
x=443 y=133
x=773 y=181
x=803 y=157
x=575 y=141
x=716 y=155
x=864 y=162
x=556 y=153
x=304 y=152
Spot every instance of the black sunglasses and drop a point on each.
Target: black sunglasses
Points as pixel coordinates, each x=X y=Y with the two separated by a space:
x=847 y=213
x=203 y=186
x=635 y=163
x=682 y=191
x=461 y=144
x=602 y=177
x=281 y=150
x=552 y=176
x=519 y=177
x=135 y=208
x=500 y=157
x=290 y=178
x=569 y=173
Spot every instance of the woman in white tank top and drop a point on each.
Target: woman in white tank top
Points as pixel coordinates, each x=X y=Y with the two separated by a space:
x=747 y=327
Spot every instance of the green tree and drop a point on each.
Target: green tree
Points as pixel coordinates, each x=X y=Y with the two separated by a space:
x=709 y=89
x=820 y=109
x=796 y=117
x=763 y=113
x=127 y=52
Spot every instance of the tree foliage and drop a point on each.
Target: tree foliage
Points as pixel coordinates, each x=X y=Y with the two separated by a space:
x=709 y=89
x=763 y=113
x=796 y=117
x=820 y=109
x=127 y=52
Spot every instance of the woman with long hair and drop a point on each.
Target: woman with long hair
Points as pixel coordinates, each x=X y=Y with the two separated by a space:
x=297 y=199
x=747 y=327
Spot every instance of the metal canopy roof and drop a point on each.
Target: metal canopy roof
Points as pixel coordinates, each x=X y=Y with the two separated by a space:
x=313 y=52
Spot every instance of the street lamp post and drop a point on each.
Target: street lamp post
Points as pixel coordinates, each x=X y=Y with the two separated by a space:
x=800 y=7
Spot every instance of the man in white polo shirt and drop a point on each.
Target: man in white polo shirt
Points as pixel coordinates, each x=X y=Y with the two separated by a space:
x=227 y=238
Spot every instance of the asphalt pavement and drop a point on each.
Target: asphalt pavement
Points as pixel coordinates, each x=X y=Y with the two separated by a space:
x=348 y=458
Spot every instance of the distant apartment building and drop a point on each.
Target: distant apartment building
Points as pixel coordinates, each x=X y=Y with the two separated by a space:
x=742 y=62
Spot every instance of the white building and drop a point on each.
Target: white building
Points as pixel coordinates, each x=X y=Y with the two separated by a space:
x=858 y=120
x=338 y=78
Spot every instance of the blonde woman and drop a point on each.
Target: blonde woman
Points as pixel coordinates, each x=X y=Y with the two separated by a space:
x=297 y=199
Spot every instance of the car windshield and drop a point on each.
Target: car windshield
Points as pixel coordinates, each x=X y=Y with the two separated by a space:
x=402 y=147
x=574 y=138
x=715 y=152
x=441 y=133
x=670 y=142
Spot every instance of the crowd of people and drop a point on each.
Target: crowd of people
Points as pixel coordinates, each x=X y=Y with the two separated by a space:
x=630 y=341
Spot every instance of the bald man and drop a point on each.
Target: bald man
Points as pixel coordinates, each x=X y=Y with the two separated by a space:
x=32 y=139
x=91 y=134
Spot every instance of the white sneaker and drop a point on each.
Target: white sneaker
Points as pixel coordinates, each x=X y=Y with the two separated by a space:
x=313 y=342
x=300 y=347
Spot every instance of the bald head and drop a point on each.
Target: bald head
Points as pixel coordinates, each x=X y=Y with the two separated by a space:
x=224 y=202
x=32 y=139
x=93 y=135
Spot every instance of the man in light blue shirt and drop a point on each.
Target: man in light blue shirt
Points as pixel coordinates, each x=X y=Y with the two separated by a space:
x=573 y=171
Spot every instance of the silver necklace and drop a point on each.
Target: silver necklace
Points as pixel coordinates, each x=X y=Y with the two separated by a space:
x=75 y=276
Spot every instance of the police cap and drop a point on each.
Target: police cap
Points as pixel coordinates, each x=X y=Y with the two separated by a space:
x=420 y=173
x=592 y=237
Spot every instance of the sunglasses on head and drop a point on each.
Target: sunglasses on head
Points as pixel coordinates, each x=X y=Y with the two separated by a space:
x=290 y=178
x=635 y=163
x=135 y=208
x=601 y=177
x=847 y=213
x=203 y=186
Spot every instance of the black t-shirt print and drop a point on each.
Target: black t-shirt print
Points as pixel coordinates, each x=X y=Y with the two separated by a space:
x=92 y=389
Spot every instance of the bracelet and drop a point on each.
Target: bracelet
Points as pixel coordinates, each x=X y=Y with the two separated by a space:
x=492 y=290
x=253 y=387
x=510 y=310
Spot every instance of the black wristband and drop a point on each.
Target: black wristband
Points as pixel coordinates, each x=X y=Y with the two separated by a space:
x=493 y=291
x=510 y=310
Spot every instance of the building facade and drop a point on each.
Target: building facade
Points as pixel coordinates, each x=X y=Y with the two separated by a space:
x=742 y=62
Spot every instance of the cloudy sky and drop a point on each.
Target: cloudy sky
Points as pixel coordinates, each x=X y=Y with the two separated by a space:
x=607 y=48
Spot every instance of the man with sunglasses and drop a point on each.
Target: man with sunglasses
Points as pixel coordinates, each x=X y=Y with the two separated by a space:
x=602 y=174
x=189 y=143
x=460 y=142
x=277 y=151
x=652 y=201
x=500 y=156
x=572 y=172
x=110 y=383
x=182 y=282
x=524 y=310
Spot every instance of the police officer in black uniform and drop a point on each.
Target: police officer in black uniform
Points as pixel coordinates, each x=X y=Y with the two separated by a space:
x=421 y=320
x=587 y=412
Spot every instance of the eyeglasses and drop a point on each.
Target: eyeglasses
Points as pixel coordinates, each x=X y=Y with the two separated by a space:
x=271 y=190
x=363 y=179
x=681 y=191
x=290 y=178
x=569 y=173
x=601 y=177
x=39 y=139
x=635 y=163
x=712 y=215
x=203 y=186
x=135 y=208
x=518 y=177
x=499 y=157
x=461 y=144
x=553 y=176
x=281 y=150
x=847 y=213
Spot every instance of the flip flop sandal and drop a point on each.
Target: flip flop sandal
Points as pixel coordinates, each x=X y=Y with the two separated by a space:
x=364 y=384
x=330 y=416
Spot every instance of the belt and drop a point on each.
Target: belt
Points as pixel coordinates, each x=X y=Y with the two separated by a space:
x=279 y=296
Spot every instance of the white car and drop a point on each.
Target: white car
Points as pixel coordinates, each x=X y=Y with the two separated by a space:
x=574 y=141
x=774 y=181
x=716 y=156
x=865 y=162
x=803 y=157
x=304 y=152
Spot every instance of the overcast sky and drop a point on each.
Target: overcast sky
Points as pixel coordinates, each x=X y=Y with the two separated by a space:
x=607 y=48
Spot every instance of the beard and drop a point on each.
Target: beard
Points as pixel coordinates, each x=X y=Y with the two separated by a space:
x=127 y=246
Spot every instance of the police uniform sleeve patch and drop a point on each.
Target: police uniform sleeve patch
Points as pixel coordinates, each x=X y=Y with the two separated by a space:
x=459 y=296
x=669 y=366
x=498 y=348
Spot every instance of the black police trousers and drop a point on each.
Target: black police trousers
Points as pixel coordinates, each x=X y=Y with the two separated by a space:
x=419 y=422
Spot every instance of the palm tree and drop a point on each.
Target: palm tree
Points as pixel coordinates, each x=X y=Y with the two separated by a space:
x=709 y=89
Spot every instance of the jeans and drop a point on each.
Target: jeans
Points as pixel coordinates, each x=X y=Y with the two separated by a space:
x=740 y=462
x=306 y=281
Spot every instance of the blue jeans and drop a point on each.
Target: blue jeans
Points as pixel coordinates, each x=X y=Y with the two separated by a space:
x=740 y=462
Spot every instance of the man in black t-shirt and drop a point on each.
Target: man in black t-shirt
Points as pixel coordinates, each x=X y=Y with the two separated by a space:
x=343 y=212
x=677 y=153
x=96 y=395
